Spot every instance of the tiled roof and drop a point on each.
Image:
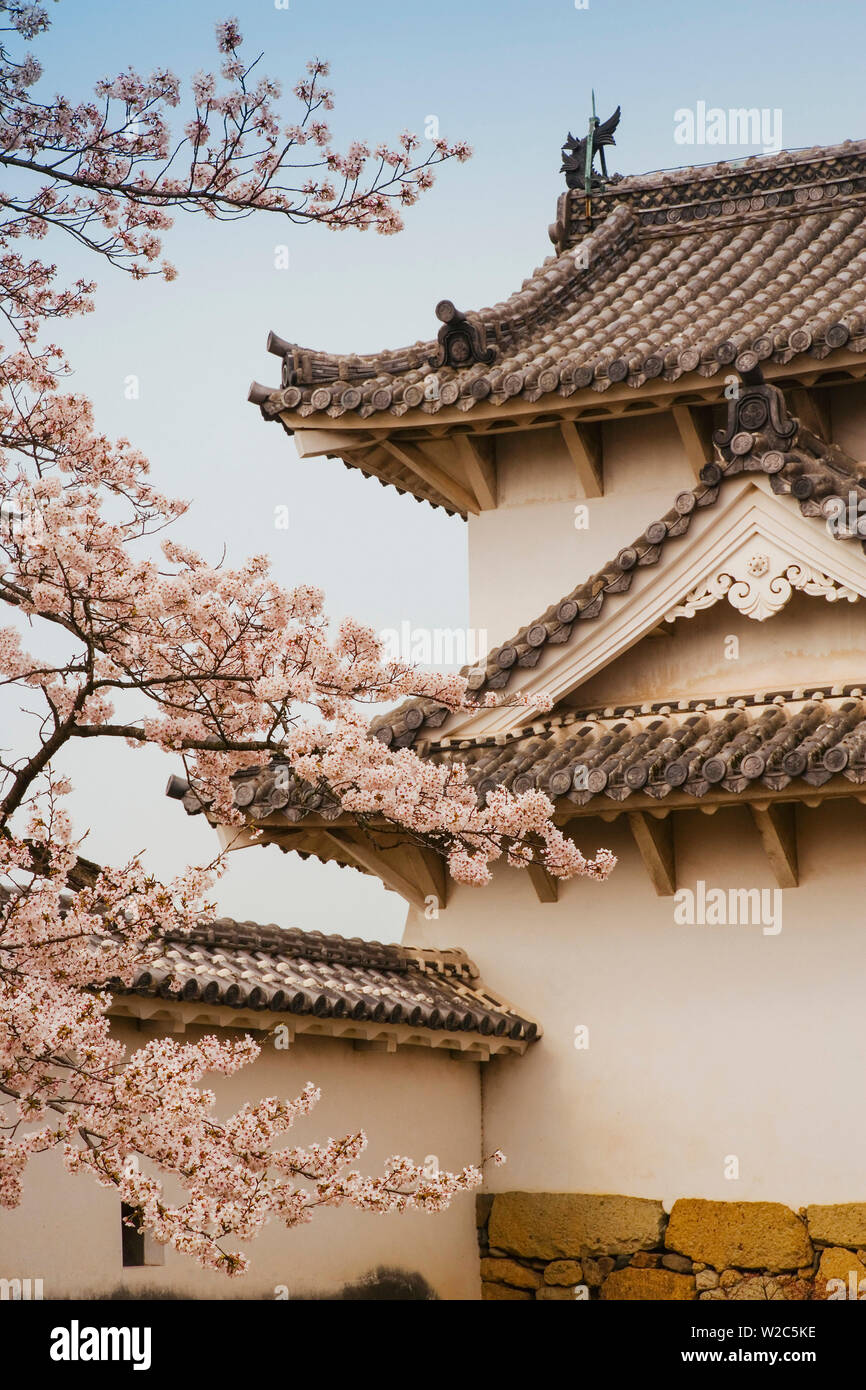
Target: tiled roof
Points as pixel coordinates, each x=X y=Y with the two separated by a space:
x=768 y=740
x=246 y=966
x=680 y=272
x=695 y=746
x=818 y=475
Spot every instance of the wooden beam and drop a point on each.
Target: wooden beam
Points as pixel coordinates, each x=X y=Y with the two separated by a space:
x=314 y=443
x=812 y=409
x=423 y=467
x=373 y=462
x=476 y=458
x=695 y=429
x=355 y=847
x=776 y=826
x=545 y=885
x=426 y=869
x=655 y=840
x=584 y=444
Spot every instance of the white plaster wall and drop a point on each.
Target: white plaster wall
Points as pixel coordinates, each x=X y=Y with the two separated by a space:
x=704 y=1041
x=780 y=654
x=67 y=1230
x=847 y=409
x=527 y=553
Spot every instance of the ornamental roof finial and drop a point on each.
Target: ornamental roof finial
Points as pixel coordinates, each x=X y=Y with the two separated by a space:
x=578 y=155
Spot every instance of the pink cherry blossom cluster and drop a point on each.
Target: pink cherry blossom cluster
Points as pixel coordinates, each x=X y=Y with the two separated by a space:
x=155 y=645
x=111 y=171
x=125 y=1120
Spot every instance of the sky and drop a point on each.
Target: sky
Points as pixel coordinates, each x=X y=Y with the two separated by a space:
x=511 y=77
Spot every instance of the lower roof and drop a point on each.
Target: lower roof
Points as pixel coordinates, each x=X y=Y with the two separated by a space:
x=330 y=982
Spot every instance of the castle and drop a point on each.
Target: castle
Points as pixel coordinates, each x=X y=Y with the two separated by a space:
x=654 y=444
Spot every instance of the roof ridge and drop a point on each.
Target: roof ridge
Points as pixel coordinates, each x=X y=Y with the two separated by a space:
x=780 y=159
x=288 y=942
x=668 y=706
x=756 y=187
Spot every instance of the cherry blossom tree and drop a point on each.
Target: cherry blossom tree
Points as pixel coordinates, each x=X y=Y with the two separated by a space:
x=118 y=632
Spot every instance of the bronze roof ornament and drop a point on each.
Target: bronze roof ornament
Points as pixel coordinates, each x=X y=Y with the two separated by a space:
x=578 y=155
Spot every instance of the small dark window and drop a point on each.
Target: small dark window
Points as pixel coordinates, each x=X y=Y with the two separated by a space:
x=133 y=1239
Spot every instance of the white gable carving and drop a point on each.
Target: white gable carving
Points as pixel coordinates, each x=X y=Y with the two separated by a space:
x=753 y=549
x=758 y=584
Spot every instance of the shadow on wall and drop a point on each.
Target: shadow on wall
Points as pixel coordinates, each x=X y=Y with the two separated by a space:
x=380 y=1285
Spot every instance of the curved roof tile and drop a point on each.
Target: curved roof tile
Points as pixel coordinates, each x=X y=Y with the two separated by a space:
x=247 y=966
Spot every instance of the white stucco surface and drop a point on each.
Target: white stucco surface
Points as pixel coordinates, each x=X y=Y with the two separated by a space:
x=704 y=1041
x=67 y=1230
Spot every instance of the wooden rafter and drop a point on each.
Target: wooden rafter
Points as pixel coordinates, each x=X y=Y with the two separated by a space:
x=373 y=462
x=695 y=431
x=413 y=458
x=476 y=458
x=354 y=847
x=655 y=841
x=313 y=443
x=584 y=444
x=776 y=826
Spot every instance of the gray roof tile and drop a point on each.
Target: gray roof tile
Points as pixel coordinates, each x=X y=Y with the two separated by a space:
x=245 y=965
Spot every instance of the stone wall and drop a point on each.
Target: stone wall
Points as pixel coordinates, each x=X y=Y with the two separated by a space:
x=556 y=1245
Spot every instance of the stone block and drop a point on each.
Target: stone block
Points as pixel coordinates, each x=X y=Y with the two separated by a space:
x=838 y=1263
x=493 y=1292
x=748 y=1235
x=566 y=1225
x=648 y=1284
x=755 y=1288
x=563 y=1272
x=680 y=1264
x=509 y=1272
x=596 y=1271
x=838 y=1225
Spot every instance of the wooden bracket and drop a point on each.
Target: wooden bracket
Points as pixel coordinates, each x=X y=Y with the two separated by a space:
x=427 y=870
x=777 y=828
x=545 y=885
x=695 y=430
x=813 y=410
x=473 y=1054
x=355 y=847
x=584 y=444
x=475 y=455
x=423 y=467
x=655 y=840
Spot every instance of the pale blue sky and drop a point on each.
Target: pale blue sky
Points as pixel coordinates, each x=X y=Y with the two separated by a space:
x=510 y=77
